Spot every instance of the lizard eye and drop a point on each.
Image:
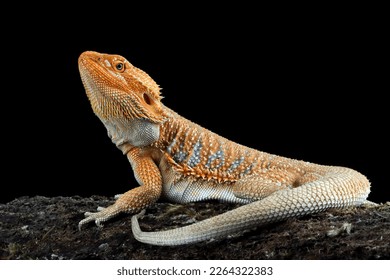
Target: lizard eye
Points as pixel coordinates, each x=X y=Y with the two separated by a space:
x=120 y=66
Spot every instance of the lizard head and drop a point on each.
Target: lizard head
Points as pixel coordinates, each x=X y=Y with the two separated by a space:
x=119 y=90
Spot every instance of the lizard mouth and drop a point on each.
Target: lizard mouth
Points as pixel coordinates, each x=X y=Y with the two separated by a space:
x=90 y=68
x=93 y=76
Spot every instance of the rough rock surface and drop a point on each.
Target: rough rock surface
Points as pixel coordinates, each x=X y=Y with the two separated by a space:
x=47 y=228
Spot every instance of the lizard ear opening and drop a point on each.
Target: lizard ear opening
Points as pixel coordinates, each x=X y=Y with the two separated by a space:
x=147 y=99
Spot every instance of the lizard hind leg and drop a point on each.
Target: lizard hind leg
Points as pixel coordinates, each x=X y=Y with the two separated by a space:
x=259 y=186
x=256 y=187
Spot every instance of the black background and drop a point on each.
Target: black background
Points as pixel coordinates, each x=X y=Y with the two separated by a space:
x=302 y=85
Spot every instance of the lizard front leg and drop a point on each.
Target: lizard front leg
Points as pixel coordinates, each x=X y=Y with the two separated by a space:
x=133 y=201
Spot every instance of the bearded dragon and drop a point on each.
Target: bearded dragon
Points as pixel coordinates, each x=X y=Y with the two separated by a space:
x=183 y=162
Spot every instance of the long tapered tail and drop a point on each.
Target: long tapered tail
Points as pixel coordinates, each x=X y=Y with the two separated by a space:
x=340 y=187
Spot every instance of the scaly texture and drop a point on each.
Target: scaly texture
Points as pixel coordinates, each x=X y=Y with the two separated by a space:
x=184 y=162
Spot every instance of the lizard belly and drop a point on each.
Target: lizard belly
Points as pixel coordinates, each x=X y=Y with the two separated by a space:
x=183 y=189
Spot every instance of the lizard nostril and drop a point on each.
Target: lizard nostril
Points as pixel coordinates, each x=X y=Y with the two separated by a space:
x=147 y=99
